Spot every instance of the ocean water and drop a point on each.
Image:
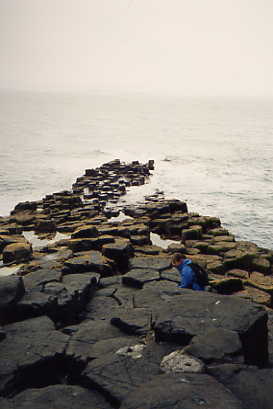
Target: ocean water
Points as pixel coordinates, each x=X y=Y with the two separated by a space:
x=215 y=153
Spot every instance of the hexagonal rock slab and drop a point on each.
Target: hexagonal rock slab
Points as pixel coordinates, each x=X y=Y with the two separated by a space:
x=150 y=262
x=190 y=391
x=137 y=277
x=119 y=251
x=92 y=262
x=83 y=342
x=119 y=373
x=28 y=346
x=134 y=321
x=60 y=396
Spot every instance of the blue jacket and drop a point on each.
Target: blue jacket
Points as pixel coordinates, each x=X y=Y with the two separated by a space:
x=187 y=276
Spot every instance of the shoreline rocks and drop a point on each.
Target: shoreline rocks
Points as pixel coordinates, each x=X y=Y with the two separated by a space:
x=98 y=315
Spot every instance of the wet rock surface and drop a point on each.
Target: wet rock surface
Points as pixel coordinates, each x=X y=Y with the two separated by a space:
x=96 y=319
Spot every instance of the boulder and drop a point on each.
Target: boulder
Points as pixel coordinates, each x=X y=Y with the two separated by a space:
x=193 y=233
x=17 y=252
x=120 y=251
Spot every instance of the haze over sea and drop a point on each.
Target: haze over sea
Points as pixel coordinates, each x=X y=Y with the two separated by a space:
x=215 y=153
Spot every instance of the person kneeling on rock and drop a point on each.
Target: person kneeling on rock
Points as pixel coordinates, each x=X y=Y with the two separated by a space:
x=187 y=274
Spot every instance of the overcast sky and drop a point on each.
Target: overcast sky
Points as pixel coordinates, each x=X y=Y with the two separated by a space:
x=187 y=47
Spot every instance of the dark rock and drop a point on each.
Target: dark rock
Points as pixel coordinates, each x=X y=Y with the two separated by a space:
x=138 y=277
x=216 y=344
x=30 y=347
x=85 y=232
x=11 y=291
x=85 y=244
x=237 y=258
x=194 y=233
x=253 y=387
x=140 y=240
x=147 y=250
x=83 y=343
x=70 y=296
x=227 y=285
x=189 y=391
x=37 y=279
x=17 y=252
x=93 y=261
x=6 y=404
x=22 y=206
x=121 y=372
x=193 y=313
x=102 y=307
x=45 y=226
x=60 y=396
x=171 y=274
x=62 y=301
x=151 y=164
x=176 y=248
x=134 y=321
x=150 y=262
x=120 y=251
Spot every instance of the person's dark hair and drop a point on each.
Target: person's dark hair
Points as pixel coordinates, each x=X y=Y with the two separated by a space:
x=177 y=257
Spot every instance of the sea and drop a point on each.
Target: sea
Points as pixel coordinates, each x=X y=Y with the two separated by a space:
x=215 y=153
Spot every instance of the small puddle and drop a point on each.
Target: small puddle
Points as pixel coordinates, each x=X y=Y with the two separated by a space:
x=158 y=241
x=38 y=242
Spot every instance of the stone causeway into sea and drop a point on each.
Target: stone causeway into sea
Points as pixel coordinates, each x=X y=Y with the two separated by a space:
x=93 y=319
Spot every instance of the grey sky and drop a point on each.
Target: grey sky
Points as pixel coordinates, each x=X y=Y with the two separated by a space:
x=189 y=47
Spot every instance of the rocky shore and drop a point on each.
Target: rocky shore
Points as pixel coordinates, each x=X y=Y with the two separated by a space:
x=96 y=320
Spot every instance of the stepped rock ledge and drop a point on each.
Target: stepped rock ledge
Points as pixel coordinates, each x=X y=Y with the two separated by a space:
x=91 y=317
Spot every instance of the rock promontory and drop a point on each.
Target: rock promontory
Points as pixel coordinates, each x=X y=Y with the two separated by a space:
x=92 y=317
